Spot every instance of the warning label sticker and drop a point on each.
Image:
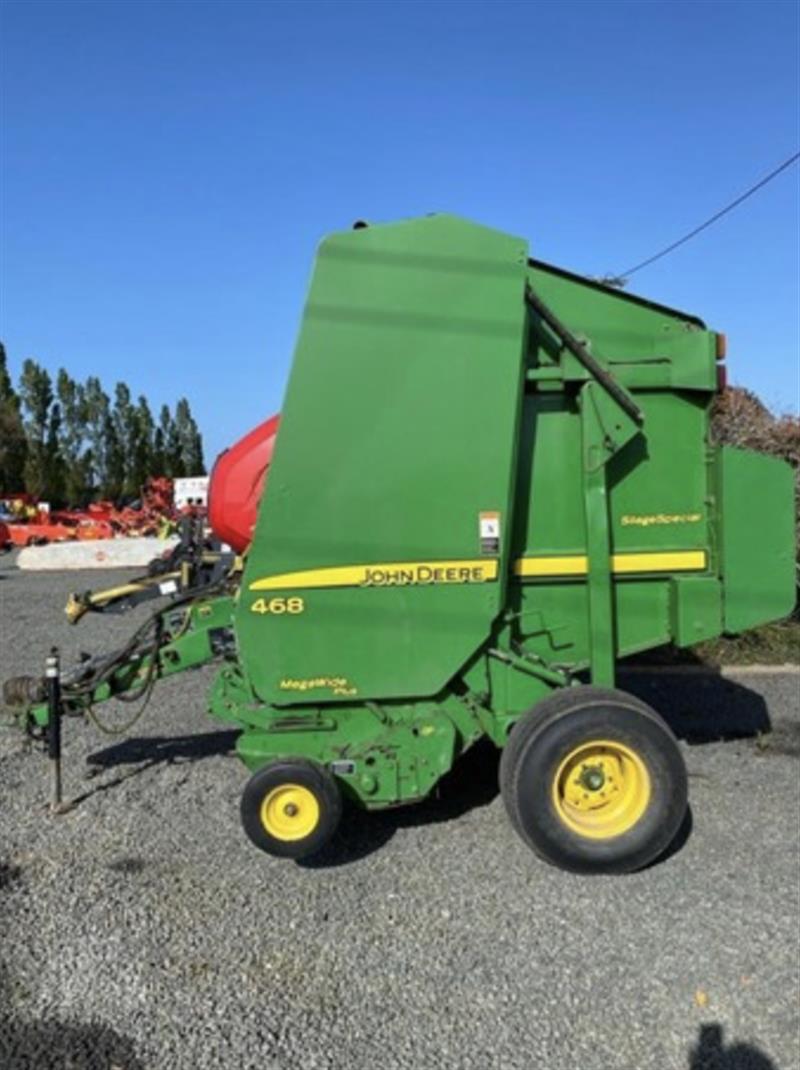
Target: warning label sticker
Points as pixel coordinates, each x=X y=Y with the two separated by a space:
x=489 y=532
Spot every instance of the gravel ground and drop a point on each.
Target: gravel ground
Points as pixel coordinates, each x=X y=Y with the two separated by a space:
x=141 y=930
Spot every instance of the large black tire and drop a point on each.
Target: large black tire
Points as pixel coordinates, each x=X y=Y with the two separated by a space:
x=593 y=780
x=291 y=808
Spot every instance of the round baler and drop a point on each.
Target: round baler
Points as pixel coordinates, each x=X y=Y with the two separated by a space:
x=493 y=479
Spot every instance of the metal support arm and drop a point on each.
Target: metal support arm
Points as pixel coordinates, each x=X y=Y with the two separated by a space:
x=201 y=633
x=607 y=381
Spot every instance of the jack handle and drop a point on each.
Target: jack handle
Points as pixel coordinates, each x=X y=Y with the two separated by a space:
x=54 y=711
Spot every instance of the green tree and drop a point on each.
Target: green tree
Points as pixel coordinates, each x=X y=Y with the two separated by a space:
x=126 y=426
x=54 y=467
x=159 y=462
x=113 y=485
x=6 y=389
x=195 y=461
x=73 y=437
x=97 y=410
x=36 y=392
x=173 y=453
x=142 y=446
x=191 y=443
x=13 y=446
x=70 y=442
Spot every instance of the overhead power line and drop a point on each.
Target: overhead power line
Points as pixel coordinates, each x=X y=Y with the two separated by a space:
x=619 y=280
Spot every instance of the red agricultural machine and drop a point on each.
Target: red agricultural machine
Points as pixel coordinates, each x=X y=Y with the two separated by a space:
x=26 y=522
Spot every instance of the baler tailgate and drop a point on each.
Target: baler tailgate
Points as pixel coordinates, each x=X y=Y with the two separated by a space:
x=757 y=538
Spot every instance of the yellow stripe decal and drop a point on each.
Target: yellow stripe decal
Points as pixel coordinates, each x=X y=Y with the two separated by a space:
x=572 y=565
x=393 y=574
x=621 y=564
x=426 y=573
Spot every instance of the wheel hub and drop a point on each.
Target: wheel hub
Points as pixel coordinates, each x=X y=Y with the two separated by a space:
x=593 y=777
x=290 y=812
x=601 y=789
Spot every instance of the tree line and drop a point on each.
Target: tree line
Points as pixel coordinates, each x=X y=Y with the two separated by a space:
x=68 y=442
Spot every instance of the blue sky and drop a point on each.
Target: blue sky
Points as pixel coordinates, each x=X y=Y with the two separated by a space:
x=170 y=167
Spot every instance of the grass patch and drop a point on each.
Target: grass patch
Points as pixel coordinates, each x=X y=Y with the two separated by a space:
x=772 y=644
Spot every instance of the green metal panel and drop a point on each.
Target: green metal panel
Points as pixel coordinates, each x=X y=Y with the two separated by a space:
x=696 y=607
x=757 y=538
x=549 y=516
x=643 y=344
x=398 y=429
x=554 y=620
x=659 y=487
x=659 y=483
x=652 y=503
x=641 y=614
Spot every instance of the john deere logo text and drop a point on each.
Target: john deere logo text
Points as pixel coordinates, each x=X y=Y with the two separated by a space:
x=402 y=576
x=383 y=574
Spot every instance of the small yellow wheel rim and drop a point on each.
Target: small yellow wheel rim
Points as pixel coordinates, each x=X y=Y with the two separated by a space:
x=601 y=789
x=290 y=812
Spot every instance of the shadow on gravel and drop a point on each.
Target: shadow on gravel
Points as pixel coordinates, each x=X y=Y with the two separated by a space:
x=679 y=841
x=471 y=783
x=701 y=707
x=129 y=866
x=8 y=874
x=155 y=749
x=53 y=1044
x=134 y=756
x=712 y=1054
x=59 y=1044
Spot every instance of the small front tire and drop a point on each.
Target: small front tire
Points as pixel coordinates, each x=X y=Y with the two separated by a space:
x=291 y=808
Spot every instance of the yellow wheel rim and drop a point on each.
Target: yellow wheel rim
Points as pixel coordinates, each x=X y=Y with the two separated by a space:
x=290 y=812
x=601 y=789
